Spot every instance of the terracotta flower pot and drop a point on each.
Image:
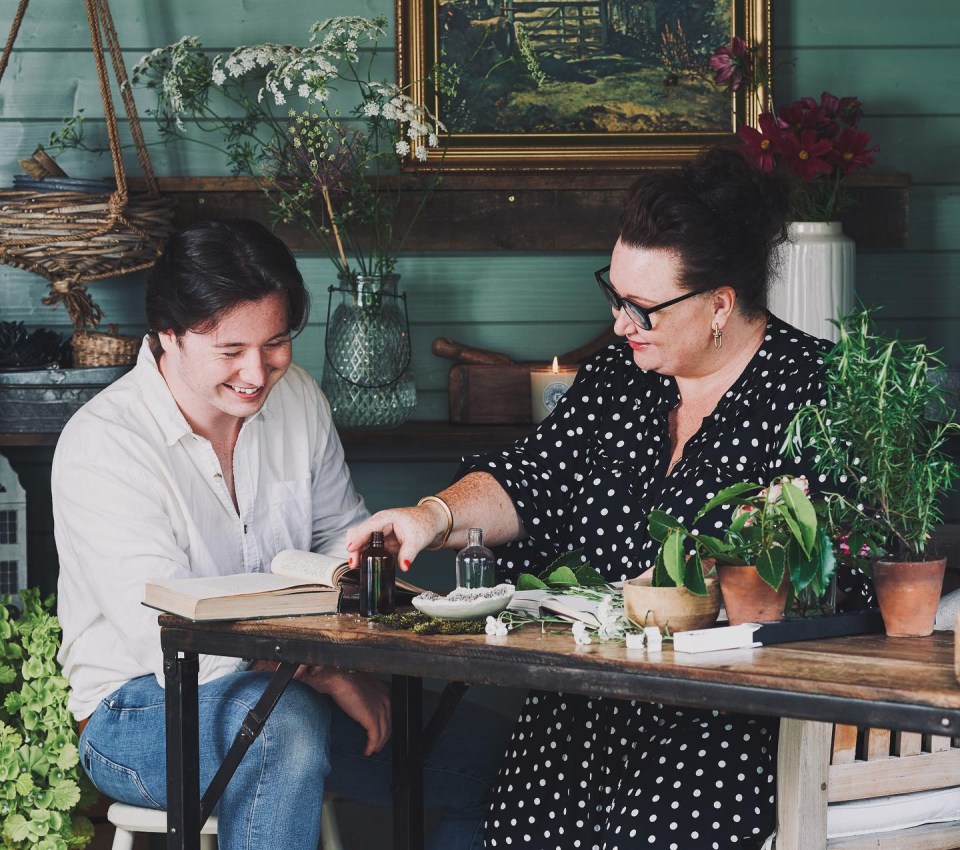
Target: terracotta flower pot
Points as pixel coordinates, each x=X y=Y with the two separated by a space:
x=747 y=598
x=673 y=607
x=908 y=593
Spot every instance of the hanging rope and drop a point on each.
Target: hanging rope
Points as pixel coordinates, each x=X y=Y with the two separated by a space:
x=80 y=307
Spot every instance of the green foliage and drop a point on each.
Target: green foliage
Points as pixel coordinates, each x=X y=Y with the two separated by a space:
x=773 y=528
x=422 y=624
x=569 y=571
x=41 y=782
x=873 y=439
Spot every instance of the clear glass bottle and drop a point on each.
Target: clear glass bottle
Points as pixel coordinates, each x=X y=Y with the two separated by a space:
x=377 y=578
x=476 y=566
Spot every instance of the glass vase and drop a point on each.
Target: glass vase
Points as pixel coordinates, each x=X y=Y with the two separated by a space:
x=366 y=372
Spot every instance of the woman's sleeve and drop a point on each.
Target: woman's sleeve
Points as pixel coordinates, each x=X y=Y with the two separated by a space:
x=539 y=471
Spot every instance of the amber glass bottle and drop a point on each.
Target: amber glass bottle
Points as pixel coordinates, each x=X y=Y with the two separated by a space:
x=377 y=578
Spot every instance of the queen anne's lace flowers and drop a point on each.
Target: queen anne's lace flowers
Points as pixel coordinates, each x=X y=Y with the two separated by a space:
x=315 y=150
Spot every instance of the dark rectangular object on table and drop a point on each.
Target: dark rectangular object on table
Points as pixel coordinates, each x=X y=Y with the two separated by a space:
x=815 y=628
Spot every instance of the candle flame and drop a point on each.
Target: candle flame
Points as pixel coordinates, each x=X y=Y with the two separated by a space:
x=556 y=366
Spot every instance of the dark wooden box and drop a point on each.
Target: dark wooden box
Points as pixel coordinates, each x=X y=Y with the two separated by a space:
x=490 y=394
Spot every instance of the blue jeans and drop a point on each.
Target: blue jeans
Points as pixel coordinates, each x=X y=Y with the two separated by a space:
x=307 y=746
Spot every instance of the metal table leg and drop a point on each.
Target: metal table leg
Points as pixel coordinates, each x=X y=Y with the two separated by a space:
x=186 y=810
x=183 y=749
x=407 y=707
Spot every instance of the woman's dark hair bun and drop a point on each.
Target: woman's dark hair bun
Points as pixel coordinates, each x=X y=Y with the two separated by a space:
x=722 y=217
x=733 y=188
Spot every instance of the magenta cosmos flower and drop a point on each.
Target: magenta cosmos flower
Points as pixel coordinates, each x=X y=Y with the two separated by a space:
x=850 y=151
x=761 y=146
x=803 y=114
x=804 y=153
x=732 y=64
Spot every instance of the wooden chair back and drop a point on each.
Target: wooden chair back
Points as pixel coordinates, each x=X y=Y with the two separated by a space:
x=819 y=764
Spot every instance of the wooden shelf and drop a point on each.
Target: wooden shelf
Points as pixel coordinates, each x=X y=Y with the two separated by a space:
x=441 y=438
x=525 y=211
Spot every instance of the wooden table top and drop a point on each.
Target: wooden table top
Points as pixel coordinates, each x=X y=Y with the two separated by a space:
x=906 y=683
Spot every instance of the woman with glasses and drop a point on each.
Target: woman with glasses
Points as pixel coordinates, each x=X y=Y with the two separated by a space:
x=695 y=397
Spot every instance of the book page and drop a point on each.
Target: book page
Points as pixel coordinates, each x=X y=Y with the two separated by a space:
x=213 y=587
x=572 y=608
x=309 y=566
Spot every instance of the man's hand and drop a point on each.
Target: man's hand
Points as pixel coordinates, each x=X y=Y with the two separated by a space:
x=362 y=697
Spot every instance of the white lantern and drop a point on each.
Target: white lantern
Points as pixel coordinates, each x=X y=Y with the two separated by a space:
x=13 y=531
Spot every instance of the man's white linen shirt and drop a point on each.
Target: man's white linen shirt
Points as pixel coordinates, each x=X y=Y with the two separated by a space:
x=138 y=497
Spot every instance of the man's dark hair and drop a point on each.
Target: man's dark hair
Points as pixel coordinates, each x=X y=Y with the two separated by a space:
x=210 y=267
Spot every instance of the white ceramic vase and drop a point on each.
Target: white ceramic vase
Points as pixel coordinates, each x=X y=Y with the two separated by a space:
x=813 y=281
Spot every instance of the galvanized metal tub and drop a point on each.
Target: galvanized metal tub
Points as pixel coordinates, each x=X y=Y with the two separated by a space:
x=42 y=400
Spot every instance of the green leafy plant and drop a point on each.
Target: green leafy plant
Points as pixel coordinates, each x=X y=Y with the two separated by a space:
x=42 y=786
x=566 y=572
x=774 y=528
x=883 y=455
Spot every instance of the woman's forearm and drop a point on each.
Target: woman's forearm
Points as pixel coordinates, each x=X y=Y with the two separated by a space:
x=478 y=501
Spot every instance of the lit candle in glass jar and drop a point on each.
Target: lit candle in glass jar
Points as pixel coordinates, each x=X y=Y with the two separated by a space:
x=546 y=387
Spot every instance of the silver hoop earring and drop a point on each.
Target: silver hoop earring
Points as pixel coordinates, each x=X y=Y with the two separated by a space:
x=717 y=336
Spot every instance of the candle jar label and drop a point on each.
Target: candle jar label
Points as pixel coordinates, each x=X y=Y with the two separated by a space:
x=552 y=393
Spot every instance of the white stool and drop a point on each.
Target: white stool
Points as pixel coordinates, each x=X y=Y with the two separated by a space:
x=130 y=820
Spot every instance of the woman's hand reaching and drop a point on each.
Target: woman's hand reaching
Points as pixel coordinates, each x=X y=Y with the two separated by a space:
x=406 y=531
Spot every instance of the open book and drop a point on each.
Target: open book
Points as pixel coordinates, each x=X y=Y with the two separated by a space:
x=298 y=583
x=566 y=606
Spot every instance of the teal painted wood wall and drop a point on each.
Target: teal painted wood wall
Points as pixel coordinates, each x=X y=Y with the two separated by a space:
x=899 y=58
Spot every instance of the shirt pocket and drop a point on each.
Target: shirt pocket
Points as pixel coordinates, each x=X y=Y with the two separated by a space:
x=291 y=514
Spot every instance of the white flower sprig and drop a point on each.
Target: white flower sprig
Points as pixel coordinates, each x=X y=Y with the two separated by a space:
x=315 y=151
x=613 y=625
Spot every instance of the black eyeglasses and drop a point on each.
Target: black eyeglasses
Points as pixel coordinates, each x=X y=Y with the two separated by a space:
x=640 y=316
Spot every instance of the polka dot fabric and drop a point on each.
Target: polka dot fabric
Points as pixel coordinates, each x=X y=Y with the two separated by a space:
x=614 y=775
x=597 y=465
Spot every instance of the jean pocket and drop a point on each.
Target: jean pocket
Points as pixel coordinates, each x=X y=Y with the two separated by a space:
x=116 y=780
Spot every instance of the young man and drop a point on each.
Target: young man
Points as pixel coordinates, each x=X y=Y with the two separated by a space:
x=213 y=454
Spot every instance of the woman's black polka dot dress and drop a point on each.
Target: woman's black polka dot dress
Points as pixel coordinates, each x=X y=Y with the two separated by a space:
x=611 y=774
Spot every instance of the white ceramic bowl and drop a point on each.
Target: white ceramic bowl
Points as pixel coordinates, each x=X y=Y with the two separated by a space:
x=463 y=604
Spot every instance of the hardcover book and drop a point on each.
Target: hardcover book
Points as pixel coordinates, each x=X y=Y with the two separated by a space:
x=298 y=583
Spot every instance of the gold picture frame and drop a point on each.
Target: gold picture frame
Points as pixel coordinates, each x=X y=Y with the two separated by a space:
x=606 y=135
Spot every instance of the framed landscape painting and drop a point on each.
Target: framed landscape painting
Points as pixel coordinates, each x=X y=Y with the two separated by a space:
x=572 y=84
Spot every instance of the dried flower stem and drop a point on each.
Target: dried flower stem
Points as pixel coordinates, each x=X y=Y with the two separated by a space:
x=334 y=228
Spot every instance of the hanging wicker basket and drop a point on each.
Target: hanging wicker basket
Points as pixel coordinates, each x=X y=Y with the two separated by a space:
x=75 y=235
x=71 y=238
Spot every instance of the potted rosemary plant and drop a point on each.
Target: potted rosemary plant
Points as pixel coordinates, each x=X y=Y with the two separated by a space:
x=885 y=463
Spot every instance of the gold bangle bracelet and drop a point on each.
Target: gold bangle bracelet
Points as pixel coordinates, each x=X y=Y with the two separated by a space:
x=449 y=514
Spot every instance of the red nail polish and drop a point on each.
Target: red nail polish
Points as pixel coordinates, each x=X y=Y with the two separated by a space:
x=406 y=565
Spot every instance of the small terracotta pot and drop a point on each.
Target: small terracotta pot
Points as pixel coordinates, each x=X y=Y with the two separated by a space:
x=908 y=593
x=747 y=598
x=673 y=607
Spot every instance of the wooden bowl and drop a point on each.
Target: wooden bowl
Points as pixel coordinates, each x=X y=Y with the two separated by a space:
x=675 y=608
